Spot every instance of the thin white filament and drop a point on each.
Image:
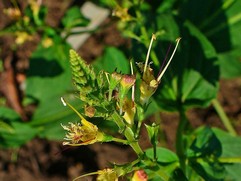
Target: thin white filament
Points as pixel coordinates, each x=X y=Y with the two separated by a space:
x=148 y=53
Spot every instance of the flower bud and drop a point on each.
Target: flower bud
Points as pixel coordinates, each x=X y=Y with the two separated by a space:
x=129 y=110
x=89 y=111
x=126 y=83
x=122 y=13
x=13 y=13
x=115 y=79
x=139 y=175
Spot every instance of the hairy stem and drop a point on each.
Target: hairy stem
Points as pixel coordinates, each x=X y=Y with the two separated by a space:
x=130 y=136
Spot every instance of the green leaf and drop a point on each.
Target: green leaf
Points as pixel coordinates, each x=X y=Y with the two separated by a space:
x=231 y=147
x=8 y=114
x=112 y=59
x=205 y=144
x=233 y=171
x=73 y=18
x=13 y=132
x=167 y=167
x=49 y=72
x=163 y=155
x=4 y=127
x=51 y=114
x=204 y=153
x=192 y=78
x=230 y=64
x=220 y=22
x=209 y=170
x=49 y=78
x=215 y=154
x=23 y=132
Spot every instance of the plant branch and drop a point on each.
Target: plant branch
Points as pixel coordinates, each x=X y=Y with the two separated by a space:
x=223 y=117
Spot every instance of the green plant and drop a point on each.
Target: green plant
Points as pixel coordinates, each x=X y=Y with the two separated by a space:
x=209 y=50
x=199 y=154
x=192 y=81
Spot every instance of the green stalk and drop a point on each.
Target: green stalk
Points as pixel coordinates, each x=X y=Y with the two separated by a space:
x=230 y=160
x=154 y=152
x=130 y=136
x=223 y=117
x=118 y=120
x=125 y=142
x=180 y=142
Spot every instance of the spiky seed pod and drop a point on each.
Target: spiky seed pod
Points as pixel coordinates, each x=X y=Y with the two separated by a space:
x=83 y=75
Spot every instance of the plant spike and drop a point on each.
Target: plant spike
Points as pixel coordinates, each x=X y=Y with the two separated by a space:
x=83 y=74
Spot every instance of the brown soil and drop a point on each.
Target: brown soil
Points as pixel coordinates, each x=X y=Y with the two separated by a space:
x=47 y=160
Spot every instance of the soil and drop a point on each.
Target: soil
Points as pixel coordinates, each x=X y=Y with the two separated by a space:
x=48 y=160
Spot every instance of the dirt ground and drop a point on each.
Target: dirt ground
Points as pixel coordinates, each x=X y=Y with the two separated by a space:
x=48 y=160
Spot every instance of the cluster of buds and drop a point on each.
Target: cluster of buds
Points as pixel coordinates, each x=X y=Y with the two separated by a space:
x=22 y=37
x=114 y=99
x=22 y=21
x=122 y=13
x=13 y=13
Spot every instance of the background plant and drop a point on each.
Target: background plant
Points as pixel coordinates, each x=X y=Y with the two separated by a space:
x=48 y=68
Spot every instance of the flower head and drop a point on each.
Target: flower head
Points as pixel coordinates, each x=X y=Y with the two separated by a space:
x=122 y=13
x=107 y=175
x=22 y=37
x=83 y=133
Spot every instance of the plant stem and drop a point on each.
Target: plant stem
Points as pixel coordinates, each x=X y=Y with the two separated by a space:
x=130 y=136
x=120 y=140
x=118 y=120
x=180 y=144
x=230 y=160
x=223 y=117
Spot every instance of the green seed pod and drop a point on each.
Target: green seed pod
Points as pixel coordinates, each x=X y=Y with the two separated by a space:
x=83 y=75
